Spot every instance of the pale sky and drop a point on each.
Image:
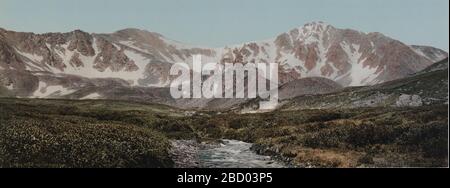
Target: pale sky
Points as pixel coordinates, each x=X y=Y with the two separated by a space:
x=218 y=23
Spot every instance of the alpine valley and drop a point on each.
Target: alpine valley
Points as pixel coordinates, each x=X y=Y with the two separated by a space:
x=347 y=99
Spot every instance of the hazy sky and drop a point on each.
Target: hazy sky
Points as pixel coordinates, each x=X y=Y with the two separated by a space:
x=224 y=22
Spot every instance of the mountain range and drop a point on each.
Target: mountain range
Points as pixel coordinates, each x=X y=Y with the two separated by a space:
x=133 y=64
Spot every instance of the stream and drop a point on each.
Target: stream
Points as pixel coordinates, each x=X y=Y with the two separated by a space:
x=226 y=154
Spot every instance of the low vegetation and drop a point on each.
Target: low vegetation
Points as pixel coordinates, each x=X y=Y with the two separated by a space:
x=63 y=133
x=51 y=133
x=342 y=138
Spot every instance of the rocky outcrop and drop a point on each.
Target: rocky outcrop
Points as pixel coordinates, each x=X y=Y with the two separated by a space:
x=81 y=42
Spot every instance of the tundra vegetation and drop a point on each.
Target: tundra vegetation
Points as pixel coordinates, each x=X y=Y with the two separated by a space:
x=105 y=133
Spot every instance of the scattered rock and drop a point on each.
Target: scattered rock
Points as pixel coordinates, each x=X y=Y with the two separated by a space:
x=184 y=153
x=409 y=100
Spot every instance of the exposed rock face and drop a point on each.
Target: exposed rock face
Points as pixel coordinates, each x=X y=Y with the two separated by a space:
x=82 y=42
x=113 y=58
x=76 y=53
x=143 y=59
x=157 y=74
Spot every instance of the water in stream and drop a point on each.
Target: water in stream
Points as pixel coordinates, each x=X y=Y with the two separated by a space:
x=234 y=154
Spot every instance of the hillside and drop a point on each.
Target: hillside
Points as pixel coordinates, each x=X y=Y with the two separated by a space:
x=428 y=87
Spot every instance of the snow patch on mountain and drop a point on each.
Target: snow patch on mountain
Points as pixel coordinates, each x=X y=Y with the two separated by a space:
x=87 y=69
x=32 y=57
x=140 y=61
x=360 y=73
x=131 y=44
x=430 y=53
x=45 y=90
x=92 y=96
x=10 y=86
